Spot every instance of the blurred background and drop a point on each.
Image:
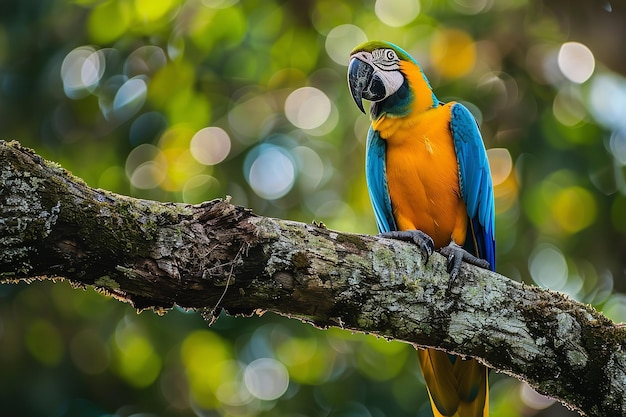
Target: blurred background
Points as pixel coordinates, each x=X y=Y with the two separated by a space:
x=193 y=100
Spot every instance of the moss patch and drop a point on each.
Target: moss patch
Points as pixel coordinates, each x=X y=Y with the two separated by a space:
x=355 y=240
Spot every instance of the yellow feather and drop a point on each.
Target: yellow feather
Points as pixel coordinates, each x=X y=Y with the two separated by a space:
x=456 y=389
x=422 y=174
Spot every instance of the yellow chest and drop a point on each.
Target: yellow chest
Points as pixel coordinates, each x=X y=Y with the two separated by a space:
x=422 y=175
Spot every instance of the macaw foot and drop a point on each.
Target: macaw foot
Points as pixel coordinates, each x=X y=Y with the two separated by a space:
x=456 y=255
x=418 y=237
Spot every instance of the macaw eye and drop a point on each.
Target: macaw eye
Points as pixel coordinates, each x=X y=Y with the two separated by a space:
x=391 y=55
x=386 y=59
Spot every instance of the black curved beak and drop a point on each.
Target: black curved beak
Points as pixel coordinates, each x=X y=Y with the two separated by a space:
x=364 y=83
x=359 y=77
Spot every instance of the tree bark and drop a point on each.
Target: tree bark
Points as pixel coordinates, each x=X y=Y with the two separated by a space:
x=216 y=255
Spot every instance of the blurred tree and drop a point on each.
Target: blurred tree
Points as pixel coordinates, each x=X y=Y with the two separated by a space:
x=186 y=101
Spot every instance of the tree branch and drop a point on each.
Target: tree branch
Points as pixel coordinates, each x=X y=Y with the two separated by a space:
x=216 y=255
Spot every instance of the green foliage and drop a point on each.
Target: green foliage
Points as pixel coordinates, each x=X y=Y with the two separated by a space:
x=191 y=100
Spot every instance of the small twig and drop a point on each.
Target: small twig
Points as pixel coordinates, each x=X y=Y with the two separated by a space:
x=212 y=315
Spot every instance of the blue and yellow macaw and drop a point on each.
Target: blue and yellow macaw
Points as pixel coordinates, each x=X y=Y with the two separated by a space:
x=429 y=182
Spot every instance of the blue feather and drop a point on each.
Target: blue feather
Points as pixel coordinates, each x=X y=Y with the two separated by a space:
x=375 y=173
x=475 y=182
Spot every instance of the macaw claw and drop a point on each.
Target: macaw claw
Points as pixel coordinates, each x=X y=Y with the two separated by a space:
x=418 y=237
x=456 y=255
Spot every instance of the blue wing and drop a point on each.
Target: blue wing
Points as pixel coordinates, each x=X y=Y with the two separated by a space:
x=475 y=181
x=375 y=174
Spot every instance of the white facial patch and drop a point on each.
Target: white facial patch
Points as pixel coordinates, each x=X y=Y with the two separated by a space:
x=392 y=81
x=388 y=62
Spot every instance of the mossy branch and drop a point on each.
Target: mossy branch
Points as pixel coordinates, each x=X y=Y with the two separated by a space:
x=217 y=255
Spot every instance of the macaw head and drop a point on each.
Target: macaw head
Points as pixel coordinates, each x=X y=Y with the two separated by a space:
x=380 y=71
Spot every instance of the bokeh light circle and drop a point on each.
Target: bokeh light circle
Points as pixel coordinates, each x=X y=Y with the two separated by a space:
x=501 y=164
x=548 y=267
x=250 y=116
x=341 y=40
x=266 y=378
x=607 y=100
x=147 y=60
x=576 y=62
x=270 y=171
x=81 y=71
x=568 y=108
x=199 y=188
x=234 y=392
x=615 y=308
x=310 y=166
x=146 y=167
x=533 y=399
x=210 y=145
x=147 y=176
x=574 y=208
x=307 y=107
x=453 y=52
x=397 y=13
x=130 y=98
